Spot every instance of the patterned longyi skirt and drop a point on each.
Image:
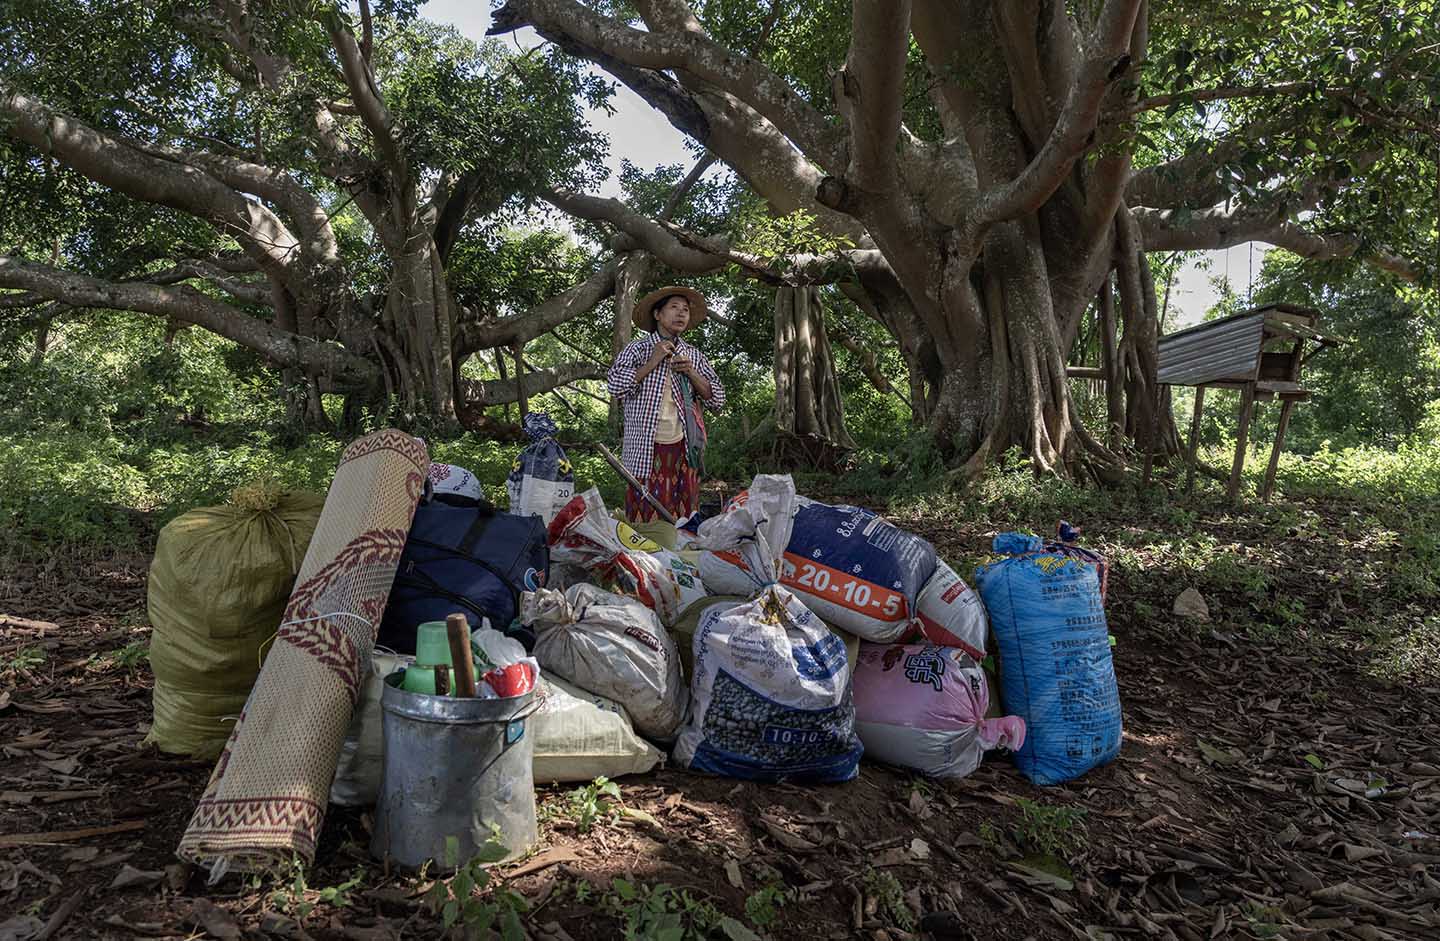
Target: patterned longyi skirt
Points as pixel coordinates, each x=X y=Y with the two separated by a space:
x=673 y=482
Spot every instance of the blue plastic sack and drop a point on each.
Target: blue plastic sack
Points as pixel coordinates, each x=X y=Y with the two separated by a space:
x=1056 y=670
x=541 y=479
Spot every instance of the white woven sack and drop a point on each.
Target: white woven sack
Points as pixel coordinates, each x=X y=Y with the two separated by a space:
x=610 y=645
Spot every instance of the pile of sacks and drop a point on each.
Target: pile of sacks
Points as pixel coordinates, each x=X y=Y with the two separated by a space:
x=781 y=639
x=785 y=638
x=809 y=634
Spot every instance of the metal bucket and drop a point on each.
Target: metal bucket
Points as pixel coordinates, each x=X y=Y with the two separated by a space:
x=454 y=768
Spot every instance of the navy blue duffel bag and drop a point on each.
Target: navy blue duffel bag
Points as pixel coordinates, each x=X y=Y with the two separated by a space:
x=465 y=557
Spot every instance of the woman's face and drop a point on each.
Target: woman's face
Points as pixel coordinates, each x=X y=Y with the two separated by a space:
x=674 y=315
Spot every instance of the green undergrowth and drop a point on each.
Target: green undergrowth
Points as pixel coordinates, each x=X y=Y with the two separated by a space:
x=64 y=490
x=1347 y=555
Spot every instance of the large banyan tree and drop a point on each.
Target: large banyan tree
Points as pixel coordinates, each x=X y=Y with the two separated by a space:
x=995 y=167
x=332 y=191
x=325 y=183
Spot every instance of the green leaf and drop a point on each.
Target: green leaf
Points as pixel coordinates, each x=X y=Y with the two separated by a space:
x=1315 y=762
x=492 y=852
x=462 y=885
x=736 y=931
x=510 y=928
x=1045 y=872
x=623 y=888
x=450 y=914
x=1217 y=756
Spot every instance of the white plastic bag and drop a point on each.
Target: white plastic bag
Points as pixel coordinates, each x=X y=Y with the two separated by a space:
x=361 y=767
x=580 y=736
x=613 y=646
x=451 y=481
x=583 y=533
x=771 y=690
x=921 y=706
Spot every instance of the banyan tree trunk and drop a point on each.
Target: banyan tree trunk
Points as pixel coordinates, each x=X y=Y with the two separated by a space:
x=630 y=275
x=809 y=414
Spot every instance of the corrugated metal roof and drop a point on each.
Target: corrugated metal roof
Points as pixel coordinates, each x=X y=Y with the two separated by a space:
x=1226 y=349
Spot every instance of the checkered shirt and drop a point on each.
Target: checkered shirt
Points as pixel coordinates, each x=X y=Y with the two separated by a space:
x=642 y=399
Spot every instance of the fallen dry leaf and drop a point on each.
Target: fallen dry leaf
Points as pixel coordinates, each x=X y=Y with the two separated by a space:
x=785 y=836
x=65 y=766
x=129 y=876
x=544 y=860
x=214 y=919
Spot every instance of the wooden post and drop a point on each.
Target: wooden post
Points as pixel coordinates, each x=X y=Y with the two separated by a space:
x=500 y=368
x=1194 y=444
x=1268 y=488
x=1112 y=367
x=520 y=380
x=1242 y=437
x=1151 y=432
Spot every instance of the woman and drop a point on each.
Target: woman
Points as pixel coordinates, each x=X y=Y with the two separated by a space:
x=662 y=381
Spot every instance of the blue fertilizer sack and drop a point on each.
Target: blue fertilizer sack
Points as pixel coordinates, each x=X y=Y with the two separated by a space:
x=1055 y=666
x=541 y=480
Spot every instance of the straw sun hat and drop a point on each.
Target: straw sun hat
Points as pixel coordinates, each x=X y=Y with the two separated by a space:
x=644 y=314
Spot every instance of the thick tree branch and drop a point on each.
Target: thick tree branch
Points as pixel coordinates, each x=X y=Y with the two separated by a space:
x=695 y=254
x=1169 y=230
x=690 y=52
x=543 y=317
x=652 y=236
x=20 y=299
x=269 y=183
x=728 y=128
x=188 y=305
x=482 y=393
x=251 y=292
x=1107 y=59
x=873 y=87
x=110 y=161
x=1106 y=181
x=363 y=91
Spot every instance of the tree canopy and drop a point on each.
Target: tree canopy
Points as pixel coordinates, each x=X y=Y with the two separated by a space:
x=356 y=193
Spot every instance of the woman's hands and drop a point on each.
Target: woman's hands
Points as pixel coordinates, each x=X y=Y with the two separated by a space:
x=658 y=355
x=664 y=350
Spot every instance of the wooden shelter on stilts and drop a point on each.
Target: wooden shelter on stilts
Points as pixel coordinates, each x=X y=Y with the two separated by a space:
x=1260 y=353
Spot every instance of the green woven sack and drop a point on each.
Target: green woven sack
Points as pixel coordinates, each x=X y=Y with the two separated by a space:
x=218 y=587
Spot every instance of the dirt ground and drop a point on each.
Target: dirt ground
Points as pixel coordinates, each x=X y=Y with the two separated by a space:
x=1268 y=787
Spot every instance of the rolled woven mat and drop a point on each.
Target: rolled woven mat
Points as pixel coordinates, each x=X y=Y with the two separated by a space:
x=267 y=796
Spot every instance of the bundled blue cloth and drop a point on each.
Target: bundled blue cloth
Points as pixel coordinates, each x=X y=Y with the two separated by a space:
x=1055 y=666
x=541 y=479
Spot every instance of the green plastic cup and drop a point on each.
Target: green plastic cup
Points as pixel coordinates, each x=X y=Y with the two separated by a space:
x=419 y=680
x=432 y=645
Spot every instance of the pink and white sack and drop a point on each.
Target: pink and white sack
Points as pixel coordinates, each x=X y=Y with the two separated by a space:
x=923 y=707
x=584 y=534
x=949 y=613
x=850 y=566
